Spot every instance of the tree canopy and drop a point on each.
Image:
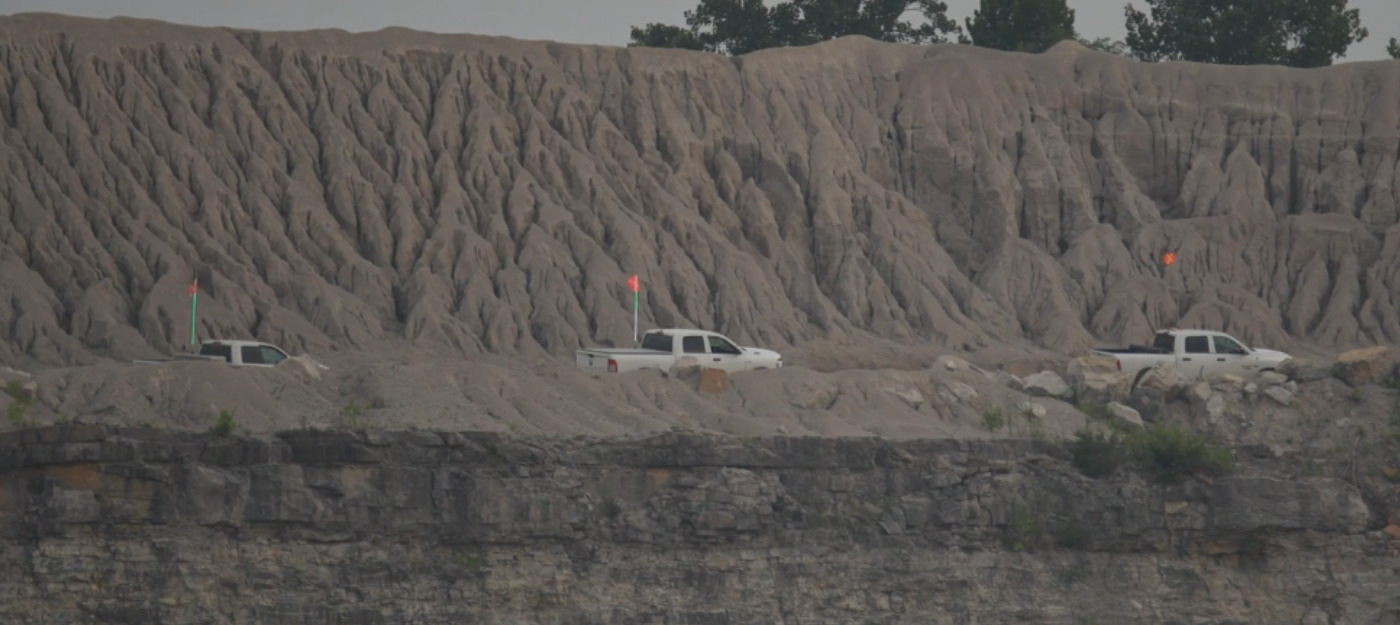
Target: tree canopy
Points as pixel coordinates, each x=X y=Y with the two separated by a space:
x=1394 y=48
x=742 y=26
x=1297 y=33
x=1022 y=25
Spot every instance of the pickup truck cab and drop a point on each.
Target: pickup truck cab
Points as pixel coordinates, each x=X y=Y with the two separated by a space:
x=663 y=349
x=236 y=353
x=1197 y=354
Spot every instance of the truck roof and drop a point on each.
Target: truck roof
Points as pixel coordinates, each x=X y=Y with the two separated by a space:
x=238 y=343
x=1176 y=331
x=686 y=331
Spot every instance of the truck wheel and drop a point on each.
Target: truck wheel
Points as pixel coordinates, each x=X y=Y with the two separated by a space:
x=1136 y=380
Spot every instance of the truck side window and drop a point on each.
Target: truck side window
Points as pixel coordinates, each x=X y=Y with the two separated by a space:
x=1197 y=345
x=721 y=346
x=251 y=355
x=1164 y=341
x=272 y=355
x=1223 y=345
x=658 y=341
x=221 y=351
x=693 y=344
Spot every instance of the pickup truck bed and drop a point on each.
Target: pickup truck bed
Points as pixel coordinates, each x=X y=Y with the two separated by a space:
x=1132 y=349
x=161 y=361
x=662 y=349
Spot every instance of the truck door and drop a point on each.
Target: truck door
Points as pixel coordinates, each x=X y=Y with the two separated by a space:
x=725 y=355
x=1229 y=358
x=1195 y=356
x=693 y=347
x=271 y=355
x=250 y=355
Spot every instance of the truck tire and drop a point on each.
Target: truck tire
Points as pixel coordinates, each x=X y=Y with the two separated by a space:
x=1138 y=379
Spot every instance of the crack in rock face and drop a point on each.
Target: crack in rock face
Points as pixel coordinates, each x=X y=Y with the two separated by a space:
x=491 y=197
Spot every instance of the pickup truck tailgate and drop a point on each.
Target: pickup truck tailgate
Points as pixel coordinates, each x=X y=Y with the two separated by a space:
x=594 y=360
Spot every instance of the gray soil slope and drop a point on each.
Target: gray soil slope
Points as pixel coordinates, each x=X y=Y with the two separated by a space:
x=471 y=206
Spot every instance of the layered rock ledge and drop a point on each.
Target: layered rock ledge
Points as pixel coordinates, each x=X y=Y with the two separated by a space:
x=105 y=525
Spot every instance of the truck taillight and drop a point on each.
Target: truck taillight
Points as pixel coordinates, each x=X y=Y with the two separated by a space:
x=612 y=365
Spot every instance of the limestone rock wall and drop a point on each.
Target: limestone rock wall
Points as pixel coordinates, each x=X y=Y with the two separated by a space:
x=115 y=526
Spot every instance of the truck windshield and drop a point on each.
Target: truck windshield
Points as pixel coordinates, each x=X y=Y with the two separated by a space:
x=657 y=341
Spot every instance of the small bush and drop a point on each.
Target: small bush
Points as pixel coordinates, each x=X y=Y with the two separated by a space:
x=1026 y=533
x=224 y=425
x=1097 y=455
x=992 y=419
x=1168 y=454
x=21 y=401
x=1096 y=411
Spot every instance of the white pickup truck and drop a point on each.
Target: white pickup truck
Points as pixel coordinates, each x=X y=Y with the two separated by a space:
x=662 y=349
x=1197 y=354
x=236 y=353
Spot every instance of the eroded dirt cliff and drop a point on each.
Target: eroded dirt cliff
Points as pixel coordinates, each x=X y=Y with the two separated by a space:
x=120 y=526
x=490 y=196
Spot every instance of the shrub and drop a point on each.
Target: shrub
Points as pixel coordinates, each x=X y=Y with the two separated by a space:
x=1168 y=454
x=1097 y=455
x=992 y=419
x=1096 y=411
x=224 y=425
x=1025 y=533
x=21 y=401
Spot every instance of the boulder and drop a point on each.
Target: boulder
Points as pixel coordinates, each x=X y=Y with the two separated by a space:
x=1305 y=370
x=1096 y=379
x=1229 y=384
x=1048 y=384
x=1272 y=378
x=1125 y=415
x=1200 y=392
x=963 y=392
x=914 y=398
x=1241 y=503
x=1010 y=381
x=1031 y=409
x=1280 y=394
x=1215 y=407
x=1371 y=365
x=949 y=362
x=713 y=380
x=1161 y=384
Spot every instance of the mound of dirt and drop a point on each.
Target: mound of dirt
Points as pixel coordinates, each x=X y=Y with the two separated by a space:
x=332 y=191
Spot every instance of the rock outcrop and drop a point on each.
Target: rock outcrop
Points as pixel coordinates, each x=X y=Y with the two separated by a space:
x=118 y=526
x=491 y=196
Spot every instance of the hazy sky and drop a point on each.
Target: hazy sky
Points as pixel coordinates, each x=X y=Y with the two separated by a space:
x=579 y=21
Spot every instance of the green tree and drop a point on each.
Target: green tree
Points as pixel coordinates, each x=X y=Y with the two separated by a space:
x=742 y=26
x=1021 y=25
x=1105 y=44
x=666 y=36
x=1297 y=33
x=1394 y=48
